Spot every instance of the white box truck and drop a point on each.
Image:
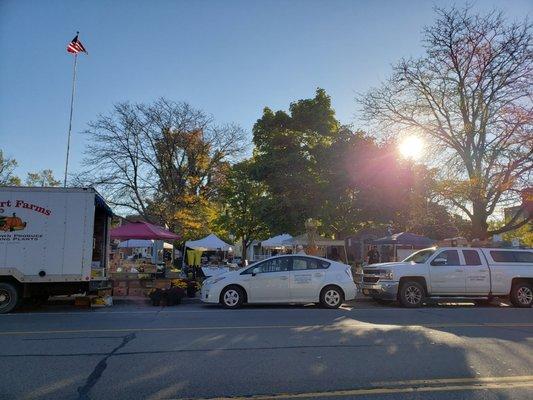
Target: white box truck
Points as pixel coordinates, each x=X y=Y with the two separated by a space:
x=53 y=241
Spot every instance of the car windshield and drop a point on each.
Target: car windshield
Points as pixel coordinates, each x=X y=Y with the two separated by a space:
x=420 y=257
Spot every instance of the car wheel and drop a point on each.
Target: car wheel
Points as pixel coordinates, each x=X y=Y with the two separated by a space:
x=9 y=297
x=232 y=297
x=412 y=294
x=522 y=295
x=331 y=297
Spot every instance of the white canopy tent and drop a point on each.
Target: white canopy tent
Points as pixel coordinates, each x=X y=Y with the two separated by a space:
x=276 y=241
x=139 y=243
x=148 y=248
x=209 y=243
x=320 y=241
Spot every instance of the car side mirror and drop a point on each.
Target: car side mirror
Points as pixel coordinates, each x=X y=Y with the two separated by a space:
x=255 y=271
x=439 y=261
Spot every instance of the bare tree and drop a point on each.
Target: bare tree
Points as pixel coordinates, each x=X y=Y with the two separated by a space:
x=470 y=94
x=164 y=160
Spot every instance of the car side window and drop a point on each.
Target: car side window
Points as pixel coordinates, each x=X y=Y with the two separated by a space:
x=512 y=256
x=273 y=265
x=299 y=264
x=451 y=257
x=303 y=263
x=471 y=257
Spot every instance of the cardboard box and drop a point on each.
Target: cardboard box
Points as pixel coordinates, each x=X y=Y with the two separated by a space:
x=82 y=301
x=137 y=292
x=147 y=283
x=162 y=284
x=120 y=291
x=134 y=284
x=104 y=292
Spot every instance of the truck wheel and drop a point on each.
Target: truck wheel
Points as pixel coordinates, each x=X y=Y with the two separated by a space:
x=411 y=294
x=232 y=297
x=9 y=297
x=522 y=295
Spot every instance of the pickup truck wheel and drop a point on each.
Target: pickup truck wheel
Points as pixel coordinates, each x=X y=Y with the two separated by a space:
x=411 y=294
x=522 y=295
x=9 y=297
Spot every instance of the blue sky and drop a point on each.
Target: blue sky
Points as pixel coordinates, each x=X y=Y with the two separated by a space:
x=229 y=58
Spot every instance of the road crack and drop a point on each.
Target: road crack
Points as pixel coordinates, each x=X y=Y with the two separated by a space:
x=83 y=391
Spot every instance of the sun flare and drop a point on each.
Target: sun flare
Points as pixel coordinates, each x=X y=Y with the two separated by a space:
x=412 y=147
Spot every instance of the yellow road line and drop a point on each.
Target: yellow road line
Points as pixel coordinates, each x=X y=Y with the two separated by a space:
x=435 y=385
x=304 y=327
x=444 y=381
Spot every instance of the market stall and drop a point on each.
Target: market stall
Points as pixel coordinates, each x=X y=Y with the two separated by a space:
x=399 y=246
x=209 y=253
x=138 y=262
x=324 y=247
x=274 y=246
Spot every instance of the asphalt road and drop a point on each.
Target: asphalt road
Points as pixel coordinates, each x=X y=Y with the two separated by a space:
x=197 y=351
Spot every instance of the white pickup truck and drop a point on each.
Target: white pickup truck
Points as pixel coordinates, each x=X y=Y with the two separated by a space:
x=452 y=272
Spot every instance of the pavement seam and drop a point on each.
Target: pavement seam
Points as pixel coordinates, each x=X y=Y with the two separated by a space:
x=96 y=374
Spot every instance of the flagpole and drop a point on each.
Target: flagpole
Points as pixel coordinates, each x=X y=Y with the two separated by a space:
x=70 y=119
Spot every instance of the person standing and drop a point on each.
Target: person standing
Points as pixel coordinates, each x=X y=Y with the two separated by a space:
x=373 y=255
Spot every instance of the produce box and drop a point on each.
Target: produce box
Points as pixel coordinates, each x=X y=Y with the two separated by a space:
x=138 y=292
x=82 y=301
x=134 y=284
x=162 y=283
x=147 y=283
x=104 y=292
x=120 y=291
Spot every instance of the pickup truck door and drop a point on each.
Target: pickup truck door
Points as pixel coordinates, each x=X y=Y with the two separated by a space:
x=477 y=273
x=446 y=273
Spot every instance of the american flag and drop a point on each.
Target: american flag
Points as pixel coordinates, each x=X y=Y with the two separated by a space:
x=75 y=46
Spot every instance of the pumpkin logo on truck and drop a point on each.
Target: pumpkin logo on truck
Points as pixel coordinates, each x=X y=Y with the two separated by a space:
x=11 y=224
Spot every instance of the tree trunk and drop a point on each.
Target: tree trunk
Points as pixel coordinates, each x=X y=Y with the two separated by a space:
x=479 y=221
x=244 y=250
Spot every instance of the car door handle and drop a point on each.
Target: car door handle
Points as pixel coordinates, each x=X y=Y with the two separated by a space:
x=458 y=270
x=318 y=275
x=283 y=278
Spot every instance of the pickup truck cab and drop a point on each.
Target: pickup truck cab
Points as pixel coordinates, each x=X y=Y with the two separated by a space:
x=452 y=272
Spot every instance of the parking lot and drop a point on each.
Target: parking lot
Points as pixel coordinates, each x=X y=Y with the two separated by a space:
x=362 y=350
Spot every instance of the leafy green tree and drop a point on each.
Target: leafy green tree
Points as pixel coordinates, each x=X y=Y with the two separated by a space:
x=247 y=206
x=290 y=149
x=42 y=178
x=7 y=171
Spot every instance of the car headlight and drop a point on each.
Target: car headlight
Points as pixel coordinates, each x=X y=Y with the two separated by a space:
x=387 y=274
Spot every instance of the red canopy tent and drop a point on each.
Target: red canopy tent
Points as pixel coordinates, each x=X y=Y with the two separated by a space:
x=142 y=230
